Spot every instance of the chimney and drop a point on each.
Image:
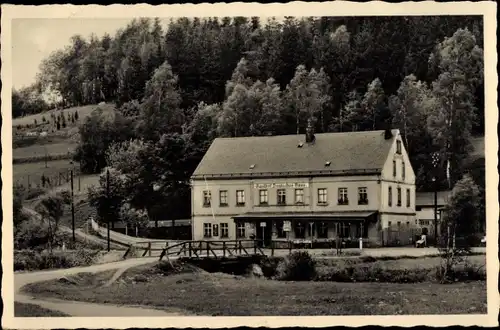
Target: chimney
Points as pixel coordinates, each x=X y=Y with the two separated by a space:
x=388 y=132
x=310 y=132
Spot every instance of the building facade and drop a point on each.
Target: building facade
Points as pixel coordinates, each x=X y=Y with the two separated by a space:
x=311 y=188
x=425 y=209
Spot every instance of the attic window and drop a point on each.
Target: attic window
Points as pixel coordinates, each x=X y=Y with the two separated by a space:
x=327 y=163
x=252 y=166
x=300 y=145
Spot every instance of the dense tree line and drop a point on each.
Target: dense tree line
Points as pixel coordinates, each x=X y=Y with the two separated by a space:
x=27 y=101
x=179 y=88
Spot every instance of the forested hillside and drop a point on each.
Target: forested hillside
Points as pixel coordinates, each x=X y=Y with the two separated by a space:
x=178 y=88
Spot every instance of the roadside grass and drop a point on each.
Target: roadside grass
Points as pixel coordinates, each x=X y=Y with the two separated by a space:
x=32 y=310
x=222 y=294
x=82 y=213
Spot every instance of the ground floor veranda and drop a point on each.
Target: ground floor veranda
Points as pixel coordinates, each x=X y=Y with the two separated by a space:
x=309 y=228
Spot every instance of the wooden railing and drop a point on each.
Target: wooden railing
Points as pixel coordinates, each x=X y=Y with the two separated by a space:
x=219 y=248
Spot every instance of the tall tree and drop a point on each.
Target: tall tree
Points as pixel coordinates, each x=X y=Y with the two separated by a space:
x=460 y=61
x=160 y=109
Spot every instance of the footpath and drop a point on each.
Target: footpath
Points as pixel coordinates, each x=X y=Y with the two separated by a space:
x=81 y=309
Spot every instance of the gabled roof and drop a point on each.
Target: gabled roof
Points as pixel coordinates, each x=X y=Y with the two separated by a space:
x=348 y=153
x=426 y=198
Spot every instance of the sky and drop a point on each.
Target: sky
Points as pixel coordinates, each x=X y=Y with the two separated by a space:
x=35 y=39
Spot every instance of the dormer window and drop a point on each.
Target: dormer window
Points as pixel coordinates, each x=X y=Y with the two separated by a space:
x=300 y=145
x=328 y=163
x=252 y=166
x=398 y=147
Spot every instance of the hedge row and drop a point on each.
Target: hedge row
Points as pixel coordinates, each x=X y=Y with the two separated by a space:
x=32 y=260
x=300 y=266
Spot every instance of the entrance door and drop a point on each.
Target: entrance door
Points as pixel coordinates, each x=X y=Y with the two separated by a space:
x=264 y=233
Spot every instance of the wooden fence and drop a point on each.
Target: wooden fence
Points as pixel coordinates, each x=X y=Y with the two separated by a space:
x=50 y=181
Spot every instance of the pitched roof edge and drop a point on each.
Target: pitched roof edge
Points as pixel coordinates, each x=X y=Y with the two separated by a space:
x=285 y=174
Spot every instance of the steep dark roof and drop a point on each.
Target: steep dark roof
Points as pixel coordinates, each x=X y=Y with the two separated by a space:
x=351 y=152
x=426 y=198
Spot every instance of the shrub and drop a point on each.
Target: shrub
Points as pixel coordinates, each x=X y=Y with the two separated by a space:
x=34 y=193
x=269 y=266
x=299 y=266
x=375 y=273
x=169 y=267
x=33 y=260
x=465 y=273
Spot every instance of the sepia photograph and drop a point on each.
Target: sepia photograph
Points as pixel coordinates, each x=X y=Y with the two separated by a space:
x=249 y=163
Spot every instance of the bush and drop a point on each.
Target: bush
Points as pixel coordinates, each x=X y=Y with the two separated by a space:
x=32 y=260
x=465 y=273
x=375 y=273
x=299 y=266
x=269 y=266
x=33 y=193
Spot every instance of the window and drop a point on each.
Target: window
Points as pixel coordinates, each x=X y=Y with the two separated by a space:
x=279 y=227
x=263 y=197
x=399 y=224
x=390 y=196
x=418 y=208
x=322 y=196
x=398 y=147
x=424 y=222
x=394 y=168
x=240 y=230
x=207 y=197
x=408 y=198
x=389 y=224
x=362 y=196
x=240 y=197
x=281 y=196
x=399 y=196
x=403 y=170
x=299 y=196
x=407 y=223
x=223 y=198
x=215 y=230
x=224 y=230
x=323 y=230
x=300 y=230
x=343 y=200
x=207 y=230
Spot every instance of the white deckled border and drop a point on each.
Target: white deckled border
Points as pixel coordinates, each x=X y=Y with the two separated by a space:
x=337 y=8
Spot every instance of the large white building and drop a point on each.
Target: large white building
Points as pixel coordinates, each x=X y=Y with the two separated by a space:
x=321 y=185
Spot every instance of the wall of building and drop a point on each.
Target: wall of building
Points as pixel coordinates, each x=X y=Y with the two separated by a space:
x=215 y=213
x=403 y=177
x=425 y=219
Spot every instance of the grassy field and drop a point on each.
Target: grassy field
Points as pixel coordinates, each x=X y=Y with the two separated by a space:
x=41 y=150
x=83 y=112
x=32 y=310
x=203 y=293
x=36 y=170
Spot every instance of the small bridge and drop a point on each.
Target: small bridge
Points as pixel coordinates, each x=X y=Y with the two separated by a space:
x=200 y=249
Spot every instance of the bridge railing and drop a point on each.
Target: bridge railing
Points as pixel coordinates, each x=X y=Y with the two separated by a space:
x=207 y=248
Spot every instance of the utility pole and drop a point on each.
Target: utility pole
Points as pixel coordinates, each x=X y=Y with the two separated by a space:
x=72 y=208
x=108 y=206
